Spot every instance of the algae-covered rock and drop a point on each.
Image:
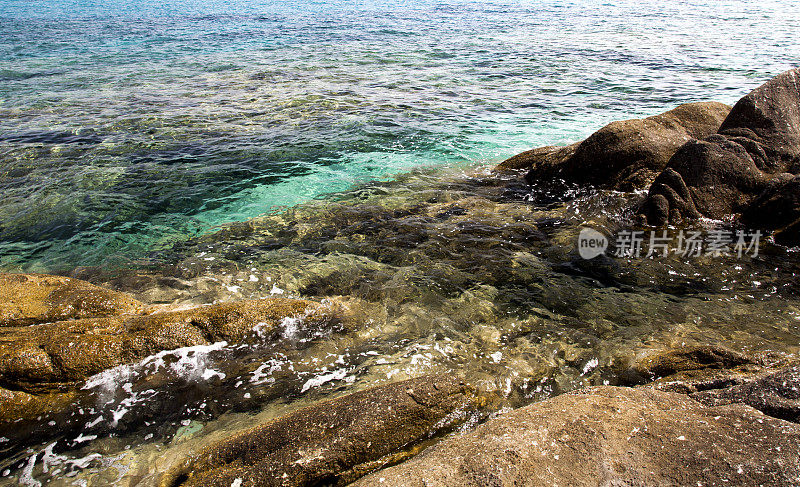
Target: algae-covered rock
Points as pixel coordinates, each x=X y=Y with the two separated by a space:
x=40 y=358
x=623 y=155
x=332 y=442
x=611 y=436
x=38 y=298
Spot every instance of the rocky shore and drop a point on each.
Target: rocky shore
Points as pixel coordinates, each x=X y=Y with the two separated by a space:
x=684 y=414
x=698 y=160
x=698 y=416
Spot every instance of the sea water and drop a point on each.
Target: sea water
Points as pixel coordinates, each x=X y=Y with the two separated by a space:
x=126 y=126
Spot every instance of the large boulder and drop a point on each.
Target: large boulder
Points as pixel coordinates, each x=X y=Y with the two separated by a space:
x=611 y=436
x=754 y=154
x=623 y=155
x=332 y=442
x=778 y=211
x=39 y=298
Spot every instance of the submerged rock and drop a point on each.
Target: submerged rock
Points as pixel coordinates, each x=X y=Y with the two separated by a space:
x=611 y=436
x=27 y=299
x=623 y=155
x=332 y=442
x=754 y=154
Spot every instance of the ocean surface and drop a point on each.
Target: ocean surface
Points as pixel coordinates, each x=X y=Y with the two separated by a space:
x=128 y=126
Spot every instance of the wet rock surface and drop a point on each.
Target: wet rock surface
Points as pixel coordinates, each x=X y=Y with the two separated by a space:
x=611 y=436
x=778 y=211
x=623 y=155
x=59 y=355
x=776 y=394
x=754 y=155
x=49 y=383
x=659 y=364
x=38 y=298
x=332 y=442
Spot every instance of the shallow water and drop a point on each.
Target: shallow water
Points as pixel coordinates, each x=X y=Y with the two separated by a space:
x=203 y=152
x=447 y=271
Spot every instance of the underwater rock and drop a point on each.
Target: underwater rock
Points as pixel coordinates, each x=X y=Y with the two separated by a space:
x=38 y=298
x=611 y=436
x=623 y=155
x=332 y=442
x=57 y=356
x=755 y=153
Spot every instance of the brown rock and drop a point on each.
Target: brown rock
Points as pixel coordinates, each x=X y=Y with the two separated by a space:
x=775 y=393
x=17 y=406
x=666 y=363
x=39 y=358
x=777 y=210
x=331 y=442
x=611 y=436
x=544 y=157
x=622 y=155
x=695 y=380
x=38 y=298
x=755 y=152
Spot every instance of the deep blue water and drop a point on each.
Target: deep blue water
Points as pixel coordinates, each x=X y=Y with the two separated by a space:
x=125 y=126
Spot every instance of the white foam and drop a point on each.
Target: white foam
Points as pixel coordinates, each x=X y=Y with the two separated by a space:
x=27 y=474
x=82 y=439
x=208 y=374
x=191 y=364
x=263 y=374
x=322 y=379
x=590 y=365
x=291 y=327
x=188 y=363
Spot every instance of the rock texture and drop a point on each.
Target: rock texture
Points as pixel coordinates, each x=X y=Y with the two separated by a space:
x=774 y=393
x=611 y=436
x=623 y=155
x=331 y=442
x=754 y=155
x=38 y=298
x=666 y=363
x=56 y=356
x=777 y=211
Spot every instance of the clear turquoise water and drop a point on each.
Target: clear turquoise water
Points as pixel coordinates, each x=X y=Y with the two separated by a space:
x=126 y=126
